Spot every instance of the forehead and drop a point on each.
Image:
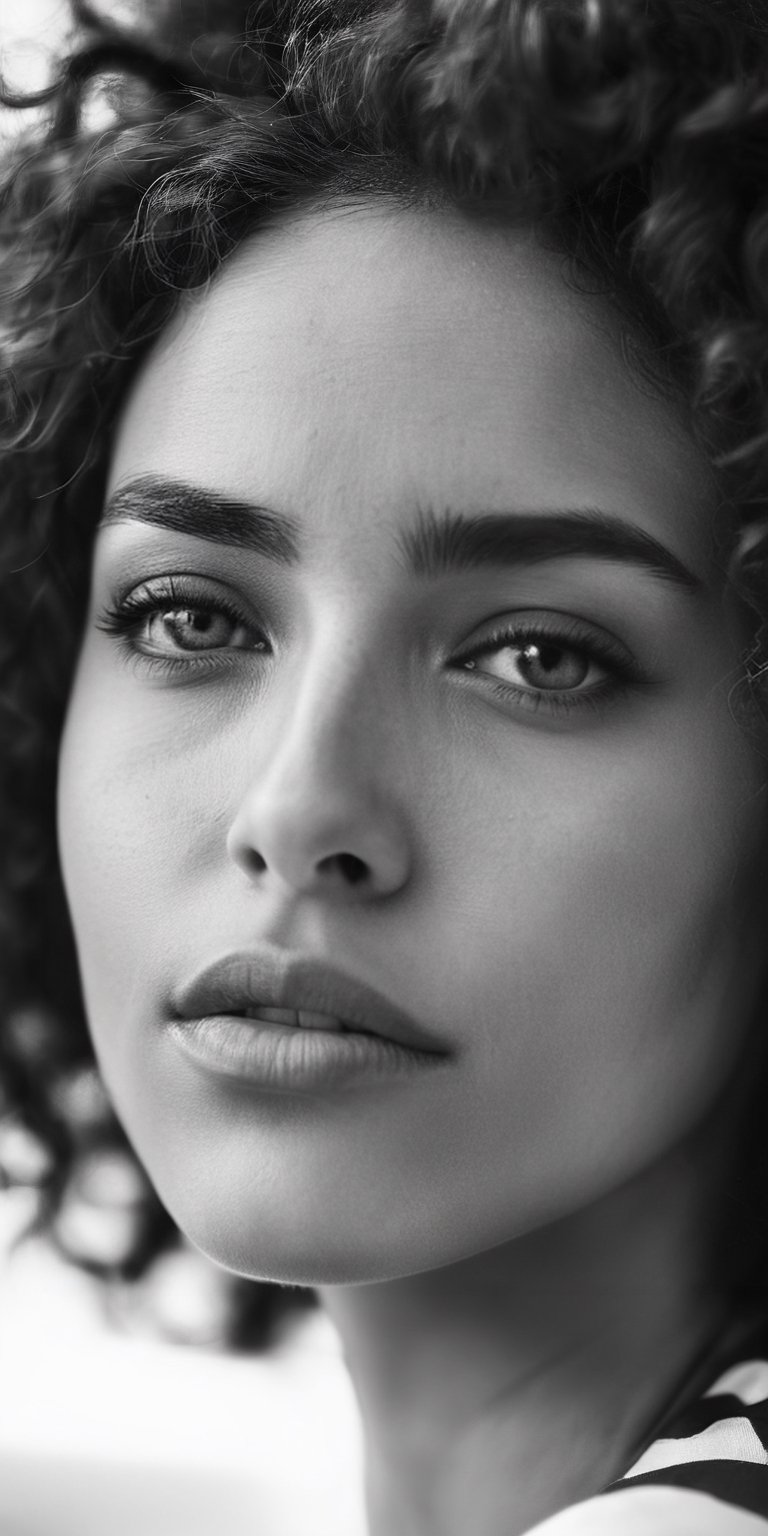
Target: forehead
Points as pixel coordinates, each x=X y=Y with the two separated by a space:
x=369 y=358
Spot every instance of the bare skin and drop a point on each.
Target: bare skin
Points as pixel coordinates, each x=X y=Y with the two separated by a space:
x=526 y=1379
x=551 y=880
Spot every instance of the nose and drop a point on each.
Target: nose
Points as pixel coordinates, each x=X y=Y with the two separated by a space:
x=320 y=814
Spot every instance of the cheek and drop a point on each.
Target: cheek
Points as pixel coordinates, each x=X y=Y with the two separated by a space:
x=605 y=991
x=126 y=822
x=142 y=791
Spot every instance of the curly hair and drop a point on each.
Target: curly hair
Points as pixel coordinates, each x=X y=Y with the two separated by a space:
x=632 y=133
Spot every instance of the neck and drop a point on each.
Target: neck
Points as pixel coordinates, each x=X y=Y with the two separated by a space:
x=500 y=1389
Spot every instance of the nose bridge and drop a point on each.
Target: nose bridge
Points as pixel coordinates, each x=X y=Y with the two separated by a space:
x=332 y=716
x=318 y=802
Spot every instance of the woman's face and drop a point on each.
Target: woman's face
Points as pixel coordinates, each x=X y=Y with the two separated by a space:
x=425 y=676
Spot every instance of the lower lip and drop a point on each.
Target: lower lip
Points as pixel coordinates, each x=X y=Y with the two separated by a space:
x=286 y=1059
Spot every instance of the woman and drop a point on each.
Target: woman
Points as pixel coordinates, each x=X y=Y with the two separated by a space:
x=386 y=457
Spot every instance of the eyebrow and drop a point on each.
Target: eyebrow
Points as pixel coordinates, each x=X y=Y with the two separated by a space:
x=437 y=544
x=181 y=508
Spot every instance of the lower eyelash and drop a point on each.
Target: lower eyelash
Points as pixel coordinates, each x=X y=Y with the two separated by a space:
x=613 y=688
x=178 y=667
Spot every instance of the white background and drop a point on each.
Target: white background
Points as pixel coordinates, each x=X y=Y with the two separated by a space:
x=107 y=1431
x=29 y=31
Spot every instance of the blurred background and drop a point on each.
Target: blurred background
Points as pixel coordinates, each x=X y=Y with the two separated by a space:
x=120 y=1408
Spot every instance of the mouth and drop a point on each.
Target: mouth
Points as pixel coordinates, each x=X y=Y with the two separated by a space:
x=271 y=985
x=295 y=1018
x=285 y=1023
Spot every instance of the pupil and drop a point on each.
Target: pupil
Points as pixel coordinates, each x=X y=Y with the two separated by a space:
x=553 y=666
x=185 y=626
x=188 y=618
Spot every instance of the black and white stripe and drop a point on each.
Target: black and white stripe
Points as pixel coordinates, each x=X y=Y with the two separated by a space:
x=706 y=1473
x=717 y=1446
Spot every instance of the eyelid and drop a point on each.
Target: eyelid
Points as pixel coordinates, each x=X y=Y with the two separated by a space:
x=555 y=625
x=623 y=673
x=160 y=585
x=122 y=616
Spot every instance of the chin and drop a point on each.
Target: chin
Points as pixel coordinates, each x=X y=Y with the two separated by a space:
x=275 y=1242
x=334 y=1245
x=292 y=1256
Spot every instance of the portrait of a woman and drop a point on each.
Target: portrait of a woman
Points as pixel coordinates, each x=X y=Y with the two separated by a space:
x=384 y=528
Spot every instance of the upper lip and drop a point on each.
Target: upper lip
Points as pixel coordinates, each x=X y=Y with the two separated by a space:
x=273 y=978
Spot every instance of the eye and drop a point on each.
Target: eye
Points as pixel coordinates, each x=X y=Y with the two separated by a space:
x=549 y=665
x=173 y=619
x=192 y=629
x=552 y=660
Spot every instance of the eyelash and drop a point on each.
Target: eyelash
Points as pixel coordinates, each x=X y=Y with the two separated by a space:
x=123 y=619
x=622 y=671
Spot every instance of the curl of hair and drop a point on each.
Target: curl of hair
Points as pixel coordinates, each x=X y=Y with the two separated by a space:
x=634 y=133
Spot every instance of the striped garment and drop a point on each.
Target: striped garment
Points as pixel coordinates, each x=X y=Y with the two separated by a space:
x=706 y=1475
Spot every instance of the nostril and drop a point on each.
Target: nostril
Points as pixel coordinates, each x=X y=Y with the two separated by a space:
x=353 y=868
x=256 y=864
x=348 y=865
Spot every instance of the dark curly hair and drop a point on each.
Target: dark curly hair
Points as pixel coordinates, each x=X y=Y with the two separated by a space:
x=632 y=133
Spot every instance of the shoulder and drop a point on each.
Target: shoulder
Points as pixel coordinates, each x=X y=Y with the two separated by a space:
x=716 y=1447
x=705 y=1475
x=654 y=1511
